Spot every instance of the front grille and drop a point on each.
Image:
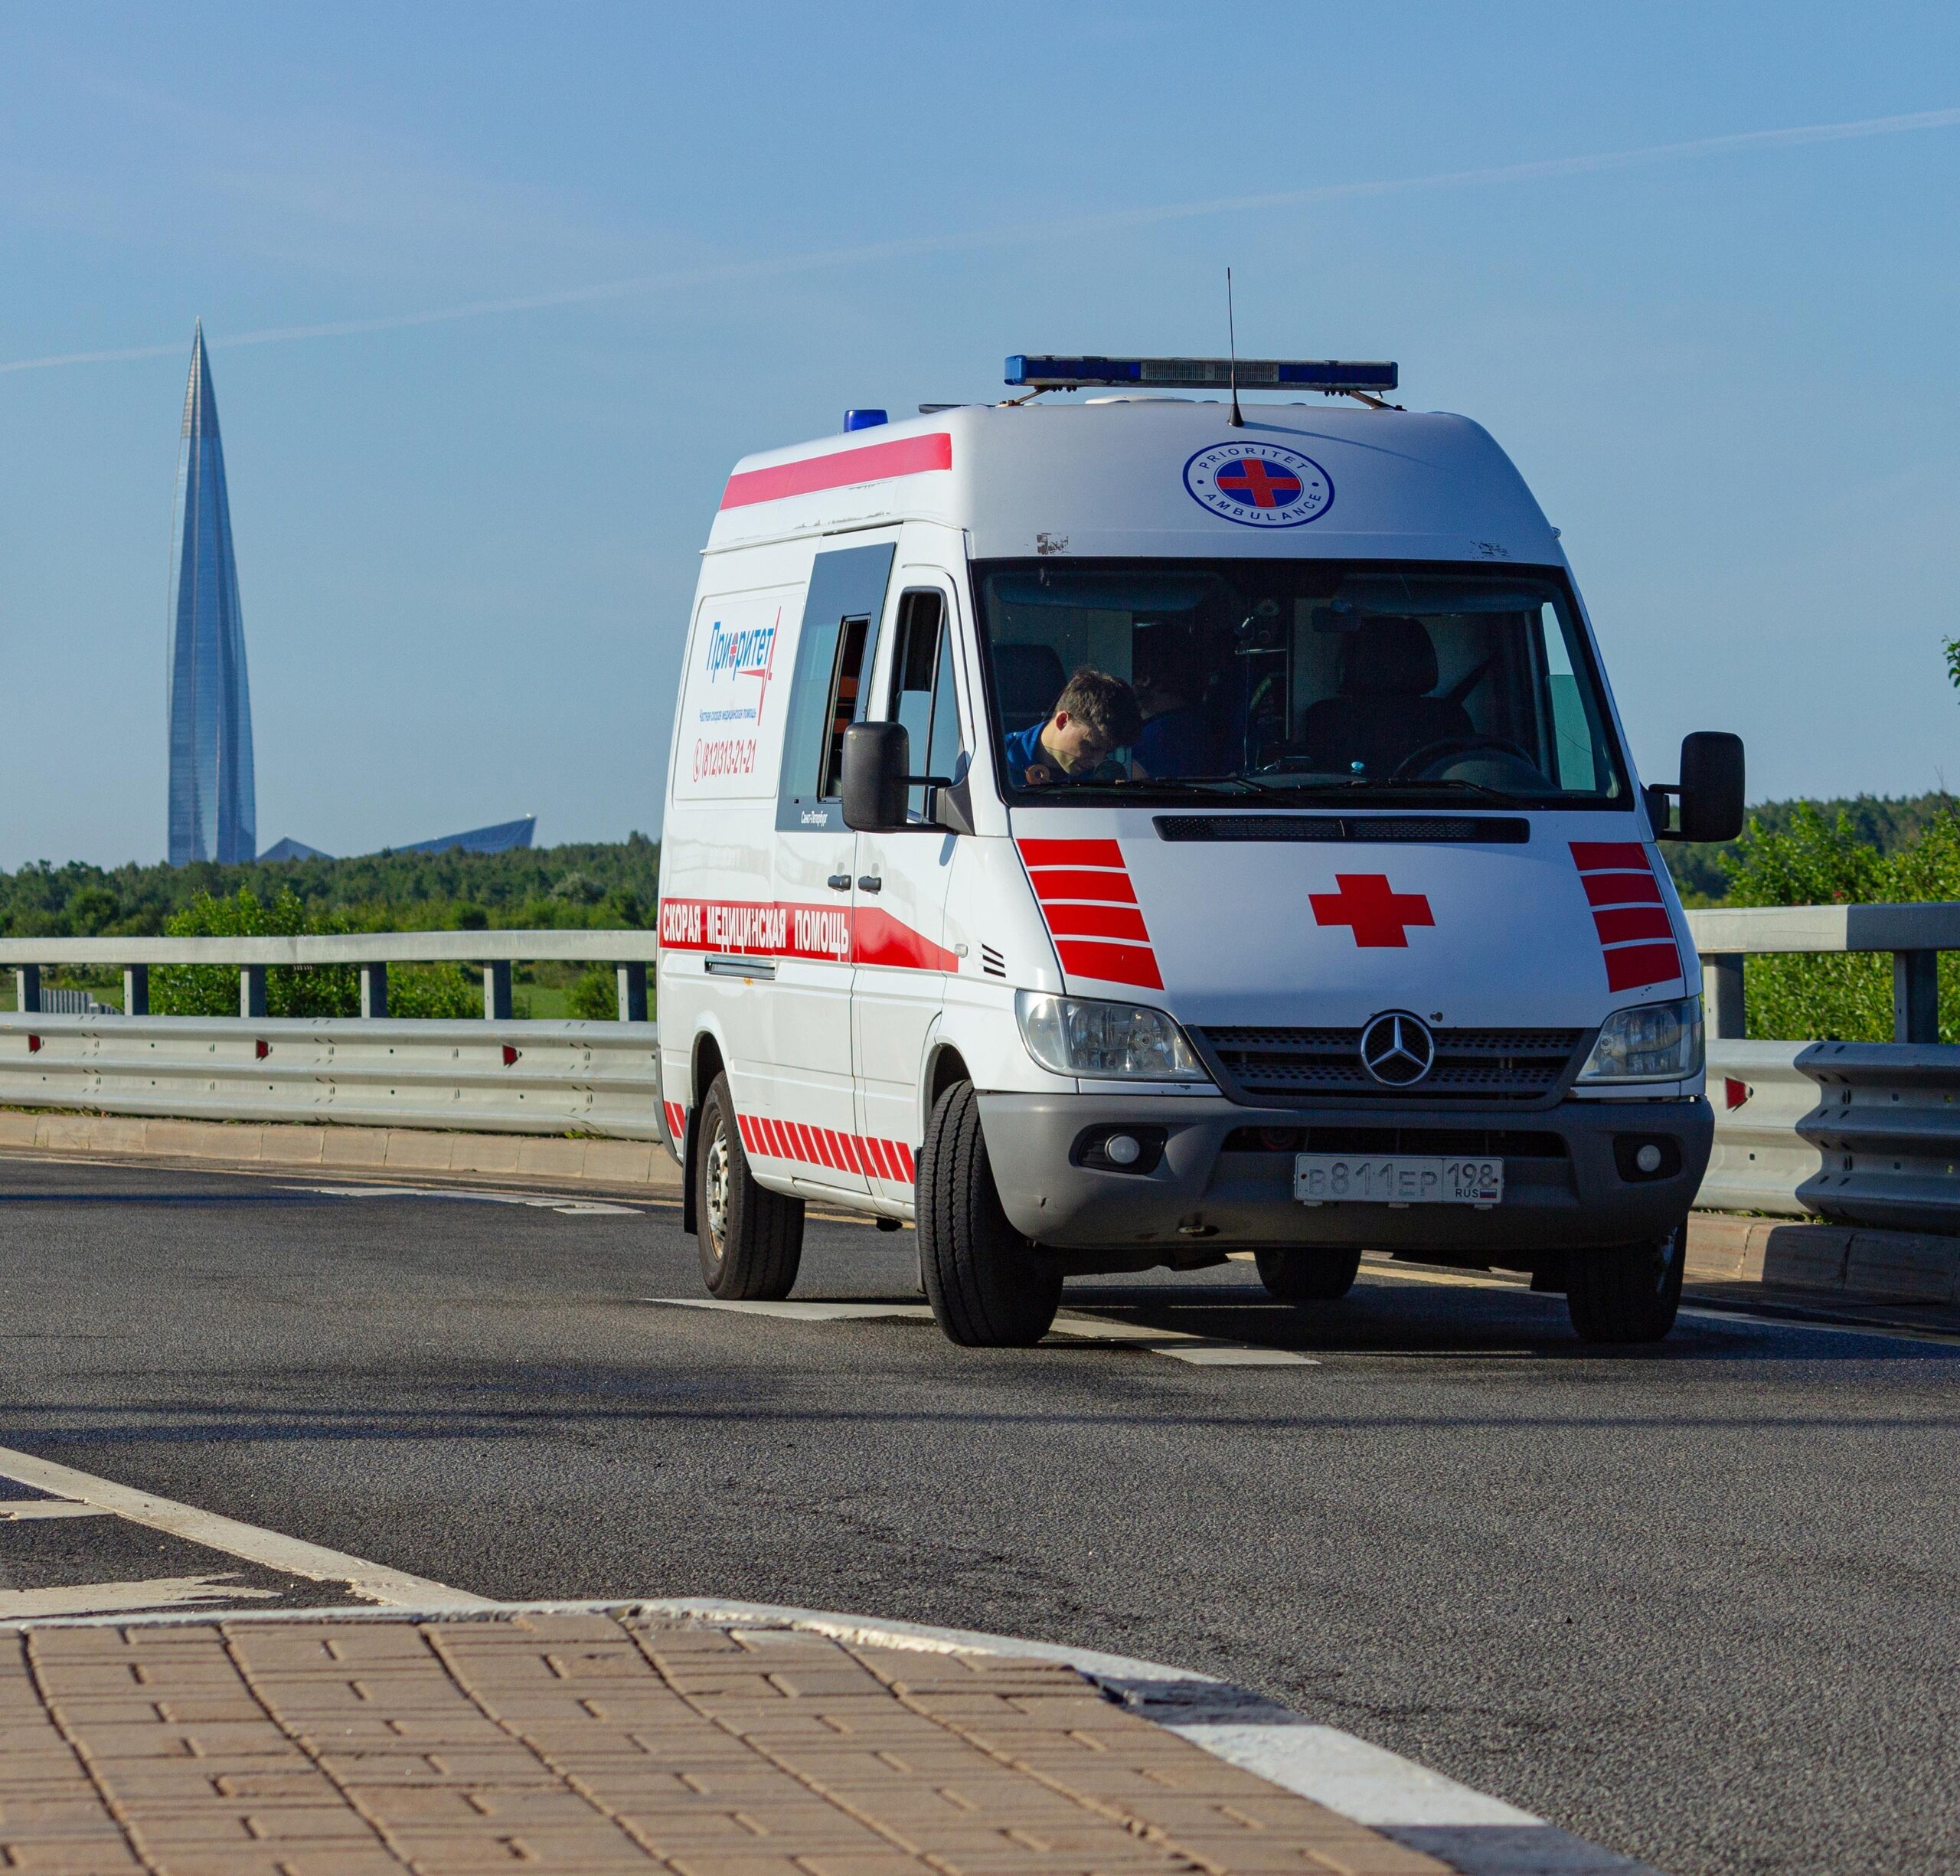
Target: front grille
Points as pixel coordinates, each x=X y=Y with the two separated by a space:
x=1471 y=1064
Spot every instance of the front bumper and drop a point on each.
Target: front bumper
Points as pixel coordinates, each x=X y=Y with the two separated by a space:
x=1200 y=1200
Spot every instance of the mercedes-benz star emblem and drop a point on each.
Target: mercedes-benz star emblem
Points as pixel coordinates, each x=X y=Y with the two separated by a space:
x=1397 y=1049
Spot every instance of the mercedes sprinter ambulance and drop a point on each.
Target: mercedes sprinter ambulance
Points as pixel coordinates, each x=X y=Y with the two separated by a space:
x=1119 y=834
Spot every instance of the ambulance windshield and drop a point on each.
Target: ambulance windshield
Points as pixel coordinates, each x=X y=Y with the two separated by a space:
x=1297 y=678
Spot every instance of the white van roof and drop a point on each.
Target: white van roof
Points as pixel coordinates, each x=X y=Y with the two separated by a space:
x=1134 y=477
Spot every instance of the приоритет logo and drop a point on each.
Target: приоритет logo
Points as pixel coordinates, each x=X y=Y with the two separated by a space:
x=1259 y=485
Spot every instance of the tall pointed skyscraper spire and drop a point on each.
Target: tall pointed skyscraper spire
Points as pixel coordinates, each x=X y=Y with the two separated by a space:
x=214 y=815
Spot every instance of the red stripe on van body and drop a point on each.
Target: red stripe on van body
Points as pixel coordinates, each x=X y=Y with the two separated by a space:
x=1070 y=853
x=878 y=938
x=1620 y=889
x=902 y=455
x=1622 y=928
x=1592 y=856
x=1096 y=921
x=1632 y=966
x=1051 y=883
x=1111 y=963
x=891 y=1160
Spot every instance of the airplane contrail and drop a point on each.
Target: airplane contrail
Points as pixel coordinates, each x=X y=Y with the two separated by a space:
x=1018 y=233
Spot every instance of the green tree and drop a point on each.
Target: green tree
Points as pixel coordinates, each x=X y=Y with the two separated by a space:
x=1811 y=861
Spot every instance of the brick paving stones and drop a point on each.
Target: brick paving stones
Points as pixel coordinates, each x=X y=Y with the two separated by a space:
x=588 y=1743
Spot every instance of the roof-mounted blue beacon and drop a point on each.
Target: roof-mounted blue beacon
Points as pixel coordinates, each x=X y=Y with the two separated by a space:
x=1332 y=376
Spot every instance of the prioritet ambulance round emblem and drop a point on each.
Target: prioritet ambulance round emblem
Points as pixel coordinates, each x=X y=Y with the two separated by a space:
x=1259 y=485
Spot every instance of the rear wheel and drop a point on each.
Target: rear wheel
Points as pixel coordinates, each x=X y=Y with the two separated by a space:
x=1627 y=1292
x=751 y=1239
x=1307 y=1273
x=989 y=1287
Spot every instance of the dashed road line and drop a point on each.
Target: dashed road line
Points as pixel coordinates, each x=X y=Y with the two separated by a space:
x=102 y=1599
x=18 y=1510
x=377 y=1583
x=1198 y=1351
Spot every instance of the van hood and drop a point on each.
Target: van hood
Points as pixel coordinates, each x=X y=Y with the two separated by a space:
x=1551 y=921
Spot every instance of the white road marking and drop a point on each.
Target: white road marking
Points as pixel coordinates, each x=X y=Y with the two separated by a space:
x=13 y=1511
x=377 y=1582
x=1366 y=1783
x=571 y=1208
x=803 y=1312
x=102 y=1599
x=1199 y=1351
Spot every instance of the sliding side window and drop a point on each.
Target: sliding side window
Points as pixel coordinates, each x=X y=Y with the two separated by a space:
x=827 y=692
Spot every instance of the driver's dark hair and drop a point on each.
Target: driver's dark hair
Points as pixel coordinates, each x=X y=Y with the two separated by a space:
x=1107 y=705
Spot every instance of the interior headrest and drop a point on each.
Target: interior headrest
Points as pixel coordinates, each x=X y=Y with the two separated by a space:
x=1390 y=656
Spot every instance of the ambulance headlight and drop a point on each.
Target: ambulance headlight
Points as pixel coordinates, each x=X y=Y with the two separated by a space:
x=1074 y=1036
x=1655 y=1042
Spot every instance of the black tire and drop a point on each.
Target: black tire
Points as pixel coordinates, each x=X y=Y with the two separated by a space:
x=1307 y=1273
x=989 y=1287
x=1627 y=1292
x=751 y=1239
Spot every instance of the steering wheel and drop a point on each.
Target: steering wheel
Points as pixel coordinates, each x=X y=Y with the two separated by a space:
x=1432 y=755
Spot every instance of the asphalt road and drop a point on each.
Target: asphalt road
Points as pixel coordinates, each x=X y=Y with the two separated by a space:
x=1697 y=1604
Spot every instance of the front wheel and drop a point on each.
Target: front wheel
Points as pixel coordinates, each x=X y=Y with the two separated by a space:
x=1627 y=1292
x=1307 y=1273
x=989 y=1287
x=751 y=1238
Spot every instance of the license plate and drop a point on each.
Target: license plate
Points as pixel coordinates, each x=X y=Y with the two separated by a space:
x=1401 y=1179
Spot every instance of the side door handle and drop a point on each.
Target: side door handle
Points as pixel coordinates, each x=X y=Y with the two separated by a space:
x=870 y=882
x=839 y=882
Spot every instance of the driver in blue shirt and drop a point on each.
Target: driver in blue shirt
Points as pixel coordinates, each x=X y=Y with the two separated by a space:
x=1095 y=713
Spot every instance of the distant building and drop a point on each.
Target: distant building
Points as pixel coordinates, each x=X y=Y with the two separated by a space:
x=290 y=849
x=214 y=812
x=500 y=839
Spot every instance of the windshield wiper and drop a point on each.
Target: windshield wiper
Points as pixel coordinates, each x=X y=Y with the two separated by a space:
x=1442 y=781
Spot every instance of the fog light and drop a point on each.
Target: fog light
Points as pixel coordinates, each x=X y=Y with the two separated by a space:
x=1648 y=1159
x=1123 y=1150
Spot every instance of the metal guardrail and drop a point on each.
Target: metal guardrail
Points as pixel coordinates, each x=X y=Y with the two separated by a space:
x=500 y=1077
x=1859 y=1132
x=1914 y=934
x=629 y=953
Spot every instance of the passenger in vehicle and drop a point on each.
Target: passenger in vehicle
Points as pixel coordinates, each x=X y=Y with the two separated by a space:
x=1383 y=713
x=1175 y=739
x=1095 y=713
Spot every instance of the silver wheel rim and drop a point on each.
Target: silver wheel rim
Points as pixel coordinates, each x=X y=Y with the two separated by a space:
x=716 y=1194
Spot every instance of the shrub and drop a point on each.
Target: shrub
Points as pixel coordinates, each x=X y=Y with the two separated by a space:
x=437 y=992
x=595 y=997
x=212 y=989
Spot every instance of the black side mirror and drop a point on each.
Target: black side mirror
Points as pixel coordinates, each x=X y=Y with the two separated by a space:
x=877 y=761
x=1711 y=789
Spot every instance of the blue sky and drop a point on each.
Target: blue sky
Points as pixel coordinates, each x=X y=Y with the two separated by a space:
x=466 y=544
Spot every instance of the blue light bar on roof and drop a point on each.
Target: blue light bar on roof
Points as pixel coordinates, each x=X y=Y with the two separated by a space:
x=1322 y=374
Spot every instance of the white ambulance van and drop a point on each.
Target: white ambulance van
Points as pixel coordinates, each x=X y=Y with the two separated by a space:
x=1111 y=835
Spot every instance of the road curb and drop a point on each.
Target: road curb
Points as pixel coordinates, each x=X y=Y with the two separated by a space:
x=1422 y=1810
x=572 y=1161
